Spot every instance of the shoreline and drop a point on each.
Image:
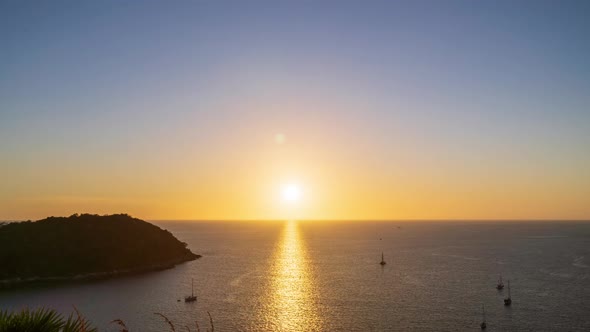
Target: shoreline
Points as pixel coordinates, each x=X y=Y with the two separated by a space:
x=15 y=282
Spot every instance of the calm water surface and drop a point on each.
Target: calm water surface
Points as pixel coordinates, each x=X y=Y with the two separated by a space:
x=325 y=276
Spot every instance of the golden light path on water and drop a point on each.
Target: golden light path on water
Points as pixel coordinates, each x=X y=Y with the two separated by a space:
x=292 y=305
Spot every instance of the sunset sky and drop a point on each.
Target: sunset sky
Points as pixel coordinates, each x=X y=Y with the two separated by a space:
x=370 y=110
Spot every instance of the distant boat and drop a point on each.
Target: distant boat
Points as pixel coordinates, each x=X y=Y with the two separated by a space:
x=500 y=284
x=483 y=324
x=508 y=300
x=192 y=297
x=382 y=260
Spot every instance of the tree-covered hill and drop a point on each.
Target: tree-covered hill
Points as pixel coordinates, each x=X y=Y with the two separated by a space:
x=66 y=247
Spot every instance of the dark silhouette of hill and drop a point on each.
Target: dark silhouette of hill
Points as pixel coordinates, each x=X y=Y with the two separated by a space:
x=86 y=246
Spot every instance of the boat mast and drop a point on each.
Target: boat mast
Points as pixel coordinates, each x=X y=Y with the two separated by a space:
x=192 y=287
x=382 y=257
x=483 y=309
x=509 y=296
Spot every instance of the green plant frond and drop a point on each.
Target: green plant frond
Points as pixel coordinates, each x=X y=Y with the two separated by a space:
x=49 y=320
x=42 y=320
x=39 y=320
x=77 y=323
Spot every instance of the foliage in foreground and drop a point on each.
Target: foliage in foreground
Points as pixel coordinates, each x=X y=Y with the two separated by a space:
x=171 y=325
x=43 y=320
x=49 y=320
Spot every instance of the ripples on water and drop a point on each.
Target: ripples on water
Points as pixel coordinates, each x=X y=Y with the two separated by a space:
x=291 y=301
x=325 y=276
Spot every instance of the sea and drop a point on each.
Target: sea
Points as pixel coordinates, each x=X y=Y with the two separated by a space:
x=326 y=276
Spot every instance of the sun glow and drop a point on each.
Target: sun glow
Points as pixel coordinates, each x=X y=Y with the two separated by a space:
x=291 y=193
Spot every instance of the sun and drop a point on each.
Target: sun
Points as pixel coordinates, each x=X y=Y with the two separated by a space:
x=291 y=193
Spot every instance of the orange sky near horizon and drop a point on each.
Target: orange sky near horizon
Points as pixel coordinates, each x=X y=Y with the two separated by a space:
x=335 y=184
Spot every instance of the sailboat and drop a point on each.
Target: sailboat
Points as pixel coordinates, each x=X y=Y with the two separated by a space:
x=192 y=297
x=500 y=284
x=483 y=324
x=382 y=260
x=508 y=300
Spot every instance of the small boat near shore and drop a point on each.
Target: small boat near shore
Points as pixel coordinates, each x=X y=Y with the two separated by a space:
x=192 y=297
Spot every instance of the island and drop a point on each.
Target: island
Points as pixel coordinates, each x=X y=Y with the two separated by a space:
x=85 y=246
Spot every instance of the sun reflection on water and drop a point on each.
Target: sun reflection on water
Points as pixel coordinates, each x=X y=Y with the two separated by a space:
x=292 y=294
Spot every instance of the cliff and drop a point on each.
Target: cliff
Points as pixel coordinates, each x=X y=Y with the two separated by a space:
x=85 y=246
